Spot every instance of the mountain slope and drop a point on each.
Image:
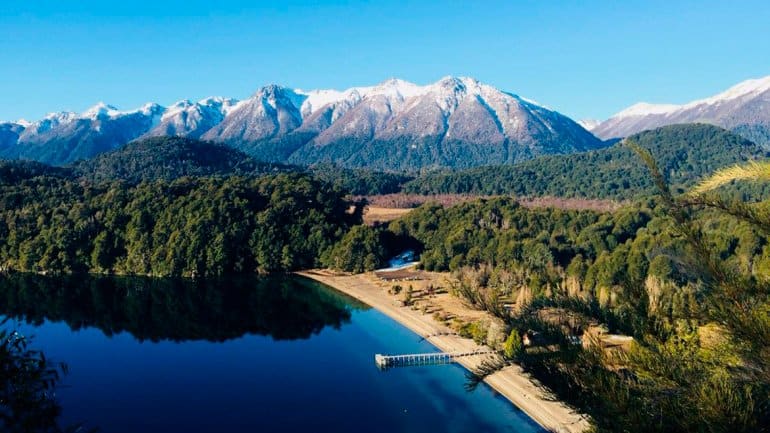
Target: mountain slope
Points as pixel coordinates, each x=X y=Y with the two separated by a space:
x=455 y=122
x=684 y=153
x=744 y=108
x=9 y=136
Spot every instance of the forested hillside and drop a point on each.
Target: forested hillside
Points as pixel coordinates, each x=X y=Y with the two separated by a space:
x=685 y=152
x=17 y=170
x=358 y=181
x=187 y=227
x=169 y=158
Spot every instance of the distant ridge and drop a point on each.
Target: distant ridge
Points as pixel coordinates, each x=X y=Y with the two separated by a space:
x=743 y=108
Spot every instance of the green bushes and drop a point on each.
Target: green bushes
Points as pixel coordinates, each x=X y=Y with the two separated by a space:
x=359 y=250
x=513 y=346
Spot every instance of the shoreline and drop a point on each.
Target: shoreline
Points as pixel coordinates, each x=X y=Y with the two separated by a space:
x=511 y=382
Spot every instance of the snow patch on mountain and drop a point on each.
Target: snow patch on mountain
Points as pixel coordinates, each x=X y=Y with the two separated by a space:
x=589 y=124
x=100 y=109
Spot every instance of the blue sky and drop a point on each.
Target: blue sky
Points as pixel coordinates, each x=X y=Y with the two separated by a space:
x=587 y=59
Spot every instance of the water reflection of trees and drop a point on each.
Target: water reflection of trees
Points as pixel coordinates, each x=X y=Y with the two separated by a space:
x=177 y=310
x=149 y=309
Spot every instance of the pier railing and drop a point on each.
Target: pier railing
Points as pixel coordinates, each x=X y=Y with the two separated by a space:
x=387 y=361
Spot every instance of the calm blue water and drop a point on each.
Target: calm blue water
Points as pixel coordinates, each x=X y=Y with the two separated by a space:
x=170 y=356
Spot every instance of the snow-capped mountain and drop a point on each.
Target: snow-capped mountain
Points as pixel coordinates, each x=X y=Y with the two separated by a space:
x=744 y=108
x=397 y=124
x=192 y=119
x=66 y=136
x=455 y=122
x=271 y=112
x=394 y=124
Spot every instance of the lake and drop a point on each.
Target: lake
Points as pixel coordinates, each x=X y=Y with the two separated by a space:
x=242 y=354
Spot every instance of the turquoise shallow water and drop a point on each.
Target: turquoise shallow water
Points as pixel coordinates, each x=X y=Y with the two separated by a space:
x=239 y=355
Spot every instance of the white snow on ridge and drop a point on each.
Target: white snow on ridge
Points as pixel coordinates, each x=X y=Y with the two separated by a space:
x=60 y=117
x=176 y=108
x=100 y=109
x=392 y=89
x=399 y=90
x=223 y=105
x=448 y=91
x=746 y=88
x=644 y=108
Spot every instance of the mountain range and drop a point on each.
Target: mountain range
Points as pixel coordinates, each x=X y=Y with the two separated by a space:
x=743 y=108
x=454 y=122
x=394 y=125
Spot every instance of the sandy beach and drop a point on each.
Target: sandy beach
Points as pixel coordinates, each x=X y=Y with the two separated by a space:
x=511 y=382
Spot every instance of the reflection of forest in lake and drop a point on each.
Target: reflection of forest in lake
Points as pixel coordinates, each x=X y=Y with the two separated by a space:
x=173 y=309
x=151 y=355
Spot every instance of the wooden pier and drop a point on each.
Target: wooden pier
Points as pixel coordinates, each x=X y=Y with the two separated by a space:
x=387 y=361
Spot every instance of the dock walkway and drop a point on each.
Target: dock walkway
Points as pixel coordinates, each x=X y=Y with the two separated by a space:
x=386 y=361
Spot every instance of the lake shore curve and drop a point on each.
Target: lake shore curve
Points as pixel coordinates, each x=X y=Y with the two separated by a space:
x=511 y=382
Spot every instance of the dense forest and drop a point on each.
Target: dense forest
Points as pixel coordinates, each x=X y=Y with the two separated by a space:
x=687 y=277
x=358 y=181
x=15 y=171
x=187 y=227
x=685 y=153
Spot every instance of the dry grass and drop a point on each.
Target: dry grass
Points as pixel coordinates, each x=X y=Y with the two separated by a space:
x=439 y=301
x=388 y=203
x=408 y=201
x=712 y=335
x=375 y=214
